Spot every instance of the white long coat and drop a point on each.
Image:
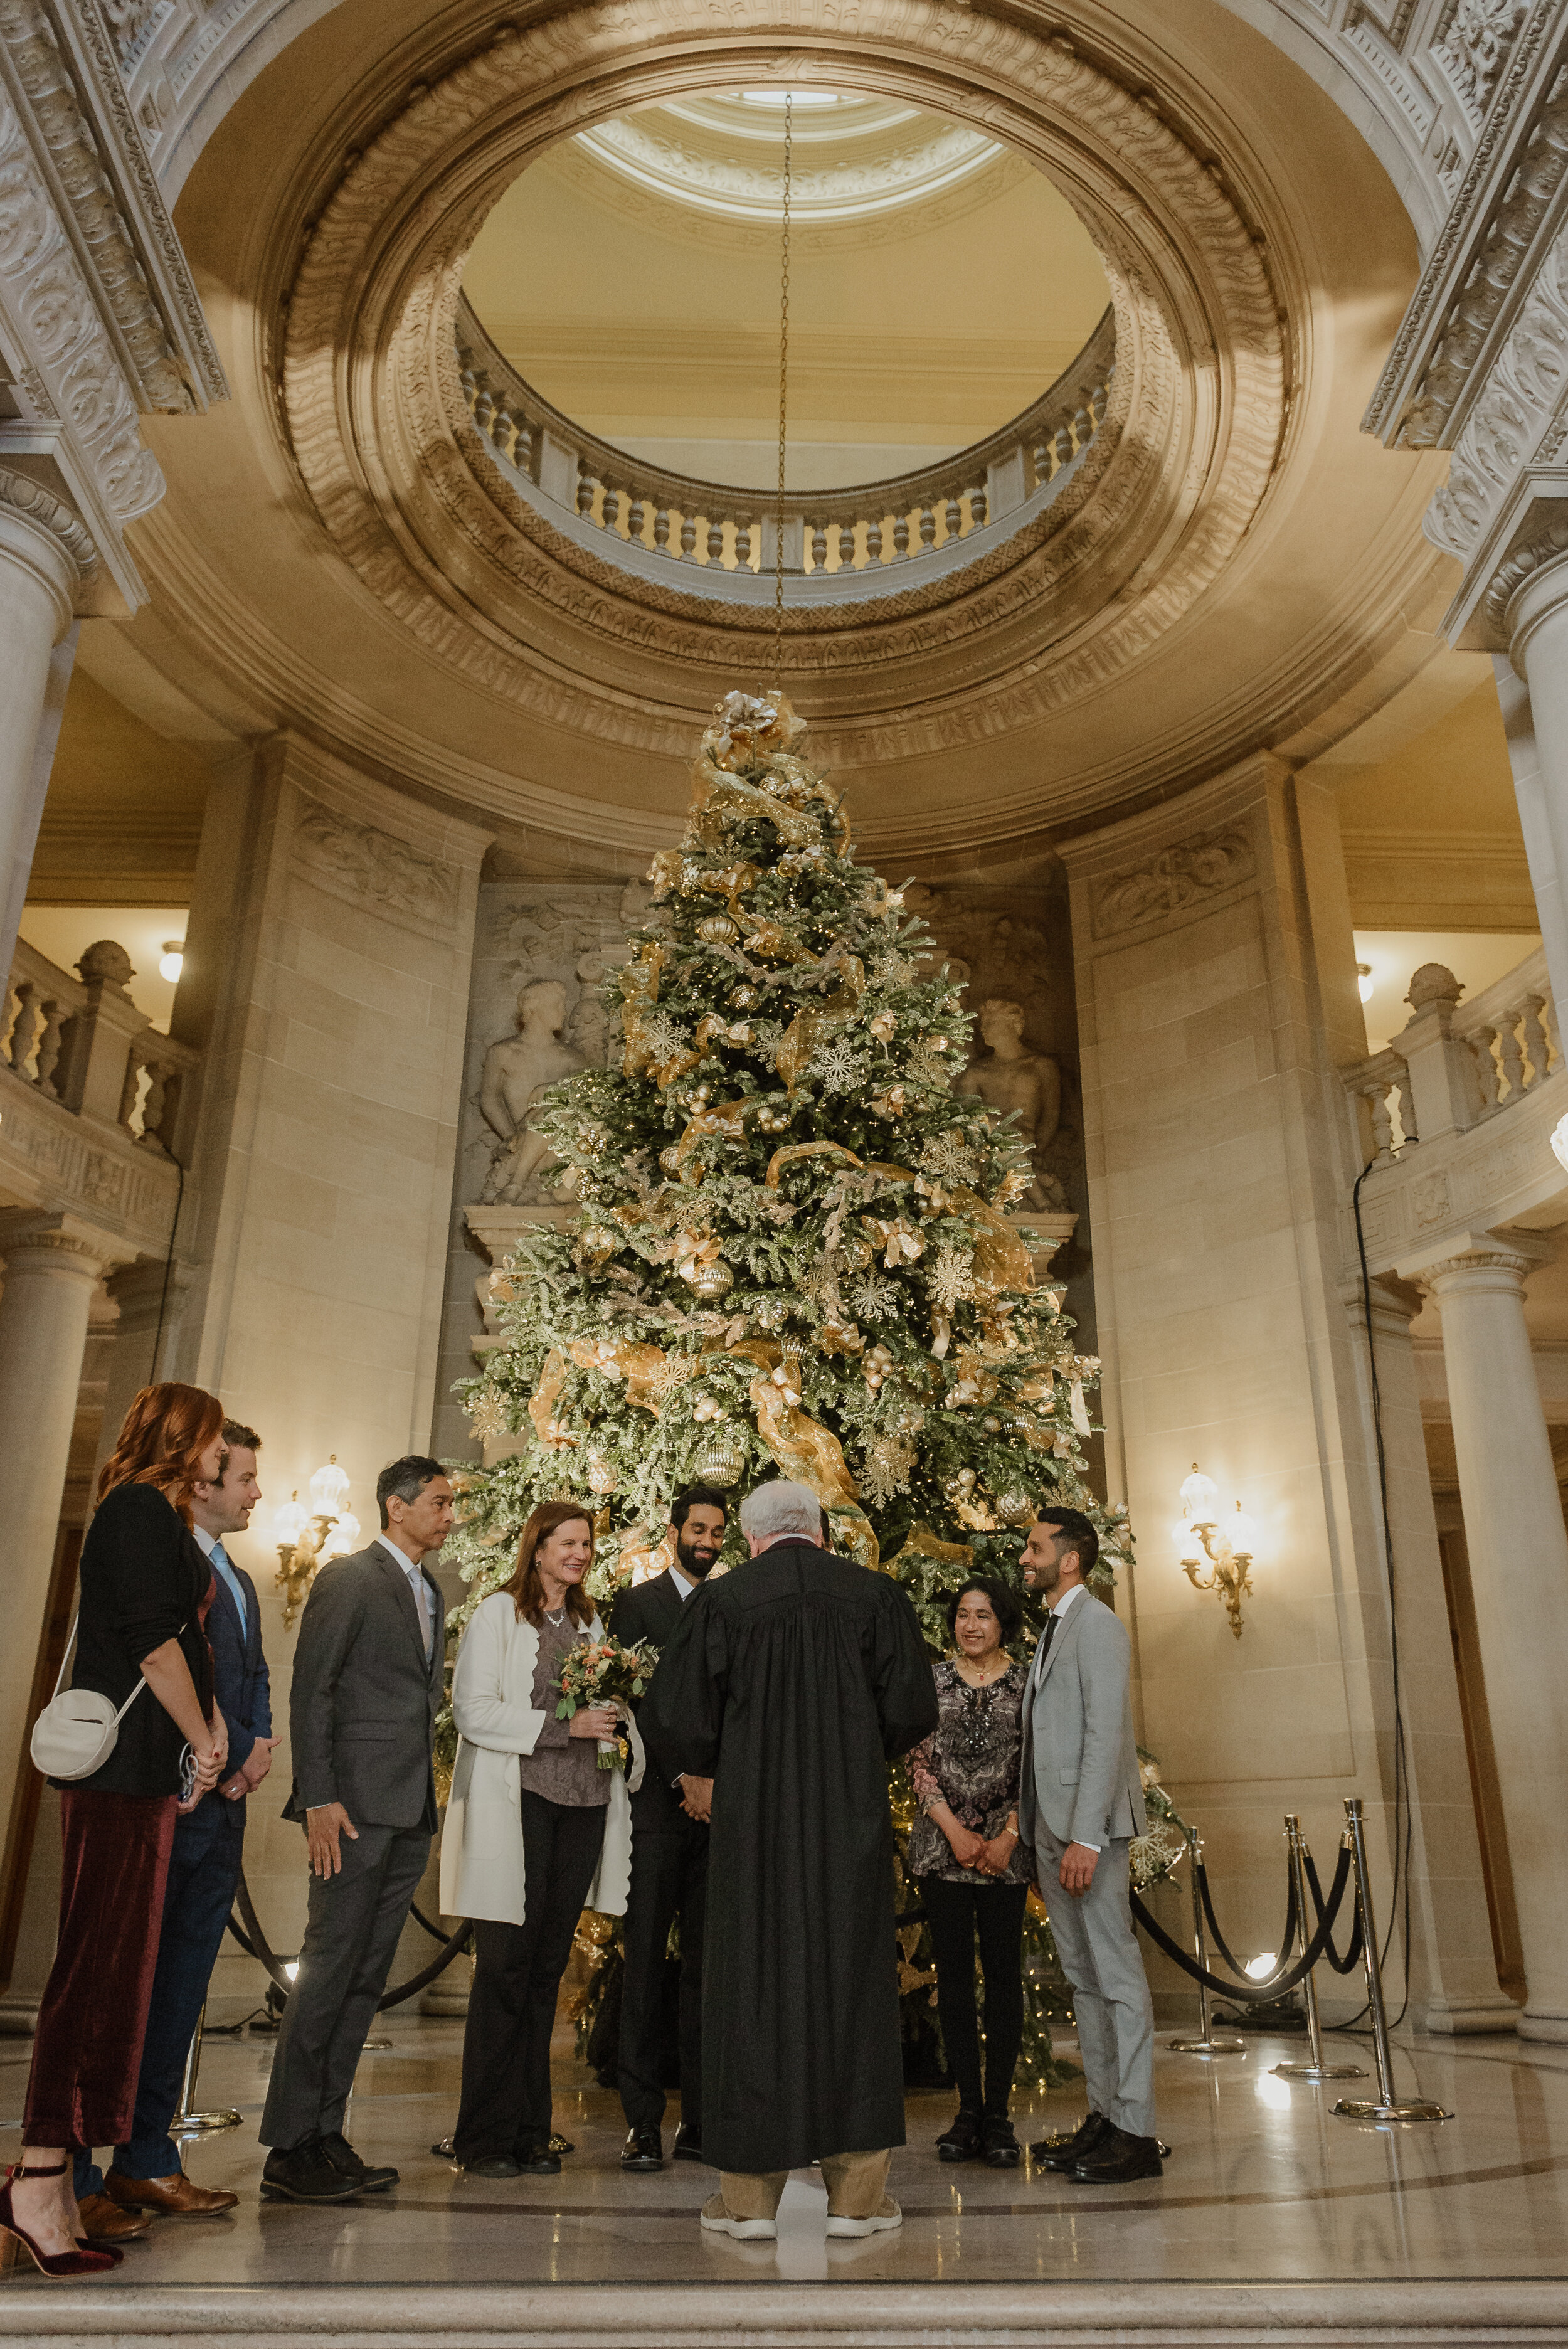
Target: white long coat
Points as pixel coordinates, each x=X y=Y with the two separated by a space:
x=493 y=1703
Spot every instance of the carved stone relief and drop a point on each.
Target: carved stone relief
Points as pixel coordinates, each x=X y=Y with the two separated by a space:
x=360 y=861
x=1473 y=45
x=1175 y=878
x=45 y=290
x=1523 y=400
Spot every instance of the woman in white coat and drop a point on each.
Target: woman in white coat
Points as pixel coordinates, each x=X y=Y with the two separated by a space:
x=535 y=1833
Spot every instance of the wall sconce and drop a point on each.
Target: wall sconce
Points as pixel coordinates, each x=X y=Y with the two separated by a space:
x=1229 y=1548
x=313 y=1538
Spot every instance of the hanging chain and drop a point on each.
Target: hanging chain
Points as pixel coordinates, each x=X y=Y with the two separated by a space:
x=783 y=401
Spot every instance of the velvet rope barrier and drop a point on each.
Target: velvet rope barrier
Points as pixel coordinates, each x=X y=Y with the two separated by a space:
x=1252 y=1994
x=1352 y=1957
x=254 y=1943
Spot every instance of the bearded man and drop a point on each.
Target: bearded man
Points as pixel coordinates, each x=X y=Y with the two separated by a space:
x=669 y=1865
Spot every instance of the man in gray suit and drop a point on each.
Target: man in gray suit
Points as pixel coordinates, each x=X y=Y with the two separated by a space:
x=367 y=1678
x=1080 y=1802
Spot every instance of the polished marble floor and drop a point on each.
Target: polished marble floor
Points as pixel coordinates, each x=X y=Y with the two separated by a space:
x=1264 y=2185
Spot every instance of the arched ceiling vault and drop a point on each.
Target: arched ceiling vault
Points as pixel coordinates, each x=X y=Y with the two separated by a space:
x=337 y=554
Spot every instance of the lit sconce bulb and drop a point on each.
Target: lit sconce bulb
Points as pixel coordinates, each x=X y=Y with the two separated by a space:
x=171 y=961
x=344 y=1538
x=292 y=1968
x=1200 y=1496
x=329 y=1488
x=289 y=1521
x=1261 y=1968
x=1244 y=1533
x=1185 y=1539
x=1364 y=981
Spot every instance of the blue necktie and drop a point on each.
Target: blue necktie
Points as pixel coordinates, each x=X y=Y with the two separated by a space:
x=222 y=1566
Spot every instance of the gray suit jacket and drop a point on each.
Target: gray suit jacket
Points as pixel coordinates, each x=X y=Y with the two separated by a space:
x=363 y=1705
x=1079 y=1769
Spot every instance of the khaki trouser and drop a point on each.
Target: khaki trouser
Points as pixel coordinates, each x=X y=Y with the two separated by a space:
x=856 y=2183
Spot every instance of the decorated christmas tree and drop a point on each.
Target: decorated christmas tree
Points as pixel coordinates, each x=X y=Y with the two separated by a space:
x=790 y=1253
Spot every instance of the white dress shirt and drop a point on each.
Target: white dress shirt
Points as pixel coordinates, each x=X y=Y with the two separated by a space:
x=414 y=1571
x=681 y=1584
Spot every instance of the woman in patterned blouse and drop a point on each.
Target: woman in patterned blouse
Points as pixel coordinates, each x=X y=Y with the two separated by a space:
x=964 y=1850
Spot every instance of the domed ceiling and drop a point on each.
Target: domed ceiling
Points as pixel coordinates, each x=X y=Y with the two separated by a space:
x=938 y=284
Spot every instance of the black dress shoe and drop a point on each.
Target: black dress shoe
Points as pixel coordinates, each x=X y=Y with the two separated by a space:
x=644 y=2149
x=305 y=2173
x=688 y=2142
x=347 y=2164
x=537 y=2161
x=961 y=2141
x=999 y=2148
x=495 y=2164
x=1118 y=2159
x=1062 y=2153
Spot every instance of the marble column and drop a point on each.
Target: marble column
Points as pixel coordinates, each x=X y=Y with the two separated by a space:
x=53 y=1264
x=1533 y=690
x=1519 y=1570
x=46 y=556
x=1453 y=1981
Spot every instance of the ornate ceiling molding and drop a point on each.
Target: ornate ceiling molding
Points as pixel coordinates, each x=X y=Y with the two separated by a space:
x=28 y=497
x=409 y=499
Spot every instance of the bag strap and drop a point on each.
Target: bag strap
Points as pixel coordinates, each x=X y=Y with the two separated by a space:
x=135 y=1693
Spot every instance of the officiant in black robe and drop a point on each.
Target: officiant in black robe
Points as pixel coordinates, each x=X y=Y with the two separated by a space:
x=792 y=1682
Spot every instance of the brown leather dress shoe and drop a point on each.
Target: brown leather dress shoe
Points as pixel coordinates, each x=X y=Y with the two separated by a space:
x=103 y=2221
x=177 y=2196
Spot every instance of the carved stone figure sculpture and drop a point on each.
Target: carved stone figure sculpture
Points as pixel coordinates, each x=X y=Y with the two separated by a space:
x=517 y=1073
x=1009 y=1076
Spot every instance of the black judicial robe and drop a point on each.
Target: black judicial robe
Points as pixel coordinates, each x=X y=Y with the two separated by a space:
x=792 y=1682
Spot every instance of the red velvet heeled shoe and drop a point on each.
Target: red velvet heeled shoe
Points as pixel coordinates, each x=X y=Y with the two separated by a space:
x=80 y=2262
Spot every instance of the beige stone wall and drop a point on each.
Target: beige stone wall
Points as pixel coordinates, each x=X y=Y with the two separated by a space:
x=1216 y=988
x=330 y=947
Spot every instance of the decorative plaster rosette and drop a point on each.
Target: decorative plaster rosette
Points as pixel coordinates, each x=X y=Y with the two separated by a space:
x=410 y=497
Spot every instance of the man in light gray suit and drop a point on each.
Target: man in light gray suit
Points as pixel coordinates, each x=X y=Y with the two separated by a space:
x=367 y=1679
x=1080 y=1802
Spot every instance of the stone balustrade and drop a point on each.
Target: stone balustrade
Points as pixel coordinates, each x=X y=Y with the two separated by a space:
x=90 y=1095
x=862 y=538
x=1453 y=1120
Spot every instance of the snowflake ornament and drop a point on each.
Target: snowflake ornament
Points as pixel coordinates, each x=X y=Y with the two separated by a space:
x=874 y=1299
x=952 y=1277
x=949 y=1157
x=839 y=1067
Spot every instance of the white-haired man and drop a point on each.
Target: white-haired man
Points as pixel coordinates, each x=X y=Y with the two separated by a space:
x=792 y=1683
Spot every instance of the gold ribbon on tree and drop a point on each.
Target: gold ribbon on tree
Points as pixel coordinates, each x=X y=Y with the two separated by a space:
x=812 y=1456
x=921 y=1542
x=541 y=1404
x=1001 y=1258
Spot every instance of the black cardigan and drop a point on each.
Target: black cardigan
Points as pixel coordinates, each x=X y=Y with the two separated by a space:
x=143 y=1580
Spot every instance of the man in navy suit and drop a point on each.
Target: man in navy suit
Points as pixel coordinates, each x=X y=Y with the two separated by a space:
x=204 y=1867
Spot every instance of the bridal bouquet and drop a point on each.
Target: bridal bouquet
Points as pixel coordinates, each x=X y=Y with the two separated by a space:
x=604 y=1672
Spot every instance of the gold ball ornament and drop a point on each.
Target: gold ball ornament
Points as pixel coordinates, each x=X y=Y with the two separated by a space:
x=718 y=930
x=670 y=1159
x=713 y=1280
x=720 y=1457
x=601 y=1475
x=743 y=998
x=770 y=1312
x=1015 y=1508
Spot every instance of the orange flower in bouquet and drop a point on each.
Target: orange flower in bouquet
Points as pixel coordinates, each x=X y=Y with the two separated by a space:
x=604 y=1672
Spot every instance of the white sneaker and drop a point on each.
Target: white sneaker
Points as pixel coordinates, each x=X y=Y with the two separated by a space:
x=880 y=2223
x=718 y=2221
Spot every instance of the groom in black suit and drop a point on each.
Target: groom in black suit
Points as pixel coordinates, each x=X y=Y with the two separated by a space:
x=669 y=1865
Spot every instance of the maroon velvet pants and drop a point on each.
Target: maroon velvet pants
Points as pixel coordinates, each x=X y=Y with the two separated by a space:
x=92 y=2018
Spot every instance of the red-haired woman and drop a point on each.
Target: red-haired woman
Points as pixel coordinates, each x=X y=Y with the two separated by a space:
x=143 y=1585
x=535 y=1833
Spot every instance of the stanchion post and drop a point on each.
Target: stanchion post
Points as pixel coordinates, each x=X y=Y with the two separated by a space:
x=1205 y=2044
x=187 y=2121
x=1315 y=2068
x=1388 y=2106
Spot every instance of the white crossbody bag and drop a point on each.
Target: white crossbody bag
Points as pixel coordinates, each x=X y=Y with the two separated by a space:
x=76 y=1733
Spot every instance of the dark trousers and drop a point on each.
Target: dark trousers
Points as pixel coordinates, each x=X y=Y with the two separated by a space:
x=669 y=1878
x=350 y=1940
x=505 y=2105
x=958 y=1914
x=199 y=1895
x=87 y=2051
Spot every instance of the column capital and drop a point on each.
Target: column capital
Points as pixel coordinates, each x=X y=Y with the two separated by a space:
x=1396 y=1303
x=63 y=1242
x=45 y=535
x=1496 y=1267
x=1510 y=582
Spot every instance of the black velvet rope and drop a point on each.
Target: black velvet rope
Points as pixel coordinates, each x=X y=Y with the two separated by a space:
x=255 y=1944
x=1352 y=1957
x=1285 y=1943
x=1254 y=1993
